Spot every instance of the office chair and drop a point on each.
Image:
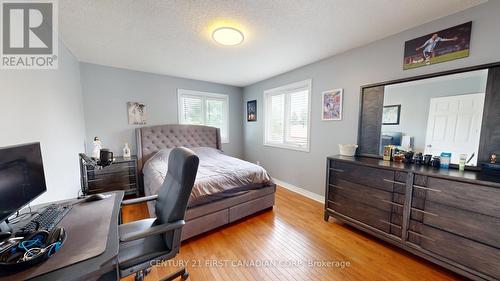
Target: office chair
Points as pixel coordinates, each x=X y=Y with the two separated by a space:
x=148 y=242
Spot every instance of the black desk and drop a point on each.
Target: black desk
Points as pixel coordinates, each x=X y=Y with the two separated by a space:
x=101 y=266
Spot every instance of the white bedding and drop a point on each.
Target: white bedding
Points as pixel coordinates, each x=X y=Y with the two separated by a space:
x=216 y=173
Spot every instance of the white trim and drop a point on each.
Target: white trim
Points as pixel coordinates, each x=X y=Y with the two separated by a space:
x=203 y=95
x=291 y=86
x=200 y=93
x=287 y=146
x=282 y=90
x=301 y=191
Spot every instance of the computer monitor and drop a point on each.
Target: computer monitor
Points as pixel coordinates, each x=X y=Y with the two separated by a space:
x=22 y=177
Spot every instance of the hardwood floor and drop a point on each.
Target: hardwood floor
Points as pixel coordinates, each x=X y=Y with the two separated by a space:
x=281 y=244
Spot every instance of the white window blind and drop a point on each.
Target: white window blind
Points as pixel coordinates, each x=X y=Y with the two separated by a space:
x=287 y=111
x=200 y=108
x=192 y=110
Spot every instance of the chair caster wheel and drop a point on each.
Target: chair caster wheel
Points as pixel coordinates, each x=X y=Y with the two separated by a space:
x=139 y=276
x=185 y=276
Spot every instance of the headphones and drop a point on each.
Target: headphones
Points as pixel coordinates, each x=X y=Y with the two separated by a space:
x=33 y=249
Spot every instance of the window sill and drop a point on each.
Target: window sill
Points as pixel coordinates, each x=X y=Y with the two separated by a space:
x=289 y=147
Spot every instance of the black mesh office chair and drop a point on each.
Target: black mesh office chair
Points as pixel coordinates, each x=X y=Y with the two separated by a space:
x=147 y=242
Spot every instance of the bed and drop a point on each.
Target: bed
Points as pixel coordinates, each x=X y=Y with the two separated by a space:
x=226 y=188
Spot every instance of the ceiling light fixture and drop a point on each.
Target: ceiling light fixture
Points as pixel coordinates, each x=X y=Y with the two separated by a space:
x=228 y=36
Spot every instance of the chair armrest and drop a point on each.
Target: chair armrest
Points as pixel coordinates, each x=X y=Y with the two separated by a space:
x=139 y=200
x=154 y=230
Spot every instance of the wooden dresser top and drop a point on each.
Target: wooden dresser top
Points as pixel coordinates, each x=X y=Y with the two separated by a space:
x=474 y=177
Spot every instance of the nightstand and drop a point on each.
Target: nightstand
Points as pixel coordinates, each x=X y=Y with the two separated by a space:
x=120 y=175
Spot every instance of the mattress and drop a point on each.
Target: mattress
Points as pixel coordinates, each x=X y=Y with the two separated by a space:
x=219 y=176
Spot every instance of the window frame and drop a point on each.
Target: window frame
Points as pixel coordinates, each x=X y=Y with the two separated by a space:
x=286 y=89
x=204 y=97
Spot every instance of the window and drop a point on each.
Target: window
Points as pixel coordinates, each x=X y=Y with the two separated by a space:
x=200 y=108
x=286 y=119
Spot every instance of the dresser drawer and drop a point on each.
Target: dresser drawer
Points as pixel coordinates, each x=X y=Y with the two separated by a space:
x=367 y=195
x=110 y=178
x=474 y=255
x=420 y=180
x=361 y=212
x=373 y=177
x=475 y=198
x=106 y=187
x=124 y=167
x=400 y=182
x=396 y=222
x=475 y=226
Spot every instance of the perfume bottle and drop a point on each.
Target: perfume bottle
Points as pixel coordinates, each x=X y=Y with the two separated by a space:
x=126 y=151
x=461 y=162
x=96 y=152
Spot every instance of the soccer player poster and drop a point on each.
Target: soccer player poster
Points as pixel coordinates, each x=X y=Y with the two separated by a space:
x=445 y=45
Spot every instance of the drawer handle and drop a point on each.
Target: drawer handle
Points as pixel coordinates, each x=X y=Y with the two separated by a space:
x=96 y=180
x=396 y=182
x=336 y=186
x=337 y=170
x=336 y=203
x=424 y=212
x=391 y=224
x=426 y=188
x=392 y=203
x=420 y=235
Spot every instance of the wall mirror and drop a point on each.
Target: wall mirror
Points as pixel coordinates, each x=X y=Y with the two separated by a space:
x=434 y=115
x=456 y=112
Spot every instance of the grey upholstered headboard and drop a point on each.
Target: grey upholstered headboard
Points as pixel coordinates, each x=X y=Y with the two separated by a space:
x=154 y=138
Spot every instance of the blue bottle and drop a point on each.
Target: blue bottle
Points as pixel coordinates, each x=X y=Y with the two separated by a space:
x=445 y=160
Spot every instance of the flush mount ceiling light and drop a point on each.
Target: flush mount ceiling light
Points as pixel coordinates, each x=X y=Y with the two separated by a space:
x=228 y=36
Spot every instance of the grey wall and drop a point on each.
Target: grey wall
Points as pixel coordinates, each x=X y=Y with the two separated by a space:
x=376 y=62
x=415 y=97
x=46 y=106
x=106 y=91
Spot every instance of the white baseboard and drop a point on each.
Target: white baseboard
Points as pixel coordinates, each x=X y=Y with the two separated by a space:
x=301 y=191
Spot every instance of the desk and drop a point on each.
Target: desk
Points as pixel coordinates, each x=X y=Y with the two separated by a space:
x=92 y=268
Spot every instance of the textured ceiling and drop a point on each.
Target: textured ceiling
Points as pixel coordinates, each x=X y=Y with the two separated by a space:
x=173 y=36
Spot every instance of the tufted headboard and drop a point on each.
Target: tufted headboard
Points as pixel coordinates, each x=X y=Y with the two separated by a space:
x=154 y=138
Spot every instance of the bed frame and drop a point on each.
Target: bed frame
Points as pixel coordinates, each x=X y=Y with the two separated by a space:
x=201 y=218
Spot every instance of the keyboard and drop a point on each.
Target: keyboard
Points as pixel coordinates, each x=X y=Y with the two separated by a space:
x=46 y=220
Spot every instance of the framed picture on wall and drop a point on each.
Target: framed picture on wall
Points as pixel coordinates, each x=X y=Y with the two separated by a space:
x=136 y=113
x=332 y=105
x=252 y=111
x=391 y=114
x=440 y=46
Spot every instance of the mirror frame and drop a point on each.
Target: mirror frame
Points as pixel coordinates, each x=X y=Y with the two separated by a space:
x=371 y=105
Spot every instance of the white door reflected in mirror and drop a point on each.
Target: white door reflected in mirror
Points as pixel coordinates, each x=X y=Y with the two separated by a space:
x=454 y=125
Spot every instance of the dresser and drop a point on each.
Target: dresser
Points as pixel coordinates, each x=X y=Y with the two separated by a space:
x=120 y=175
x=448 y=217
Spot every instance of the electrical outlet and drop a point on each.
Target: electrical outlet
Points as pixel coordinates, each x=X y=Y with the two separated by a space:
x=258 y=162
